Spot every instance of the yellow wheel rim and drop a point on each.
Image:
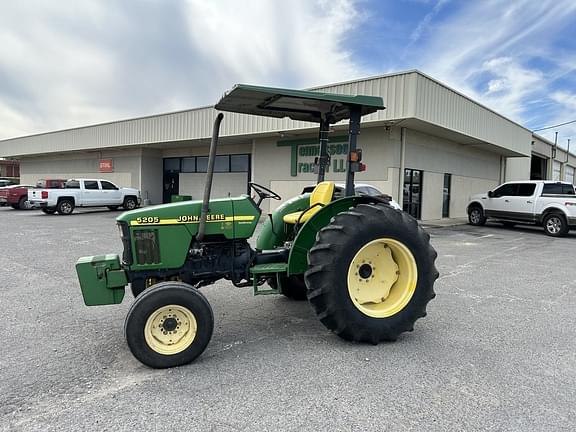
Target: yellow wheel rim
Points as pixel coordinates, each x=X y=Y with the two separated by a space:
x=382 y=278
x=170 y=329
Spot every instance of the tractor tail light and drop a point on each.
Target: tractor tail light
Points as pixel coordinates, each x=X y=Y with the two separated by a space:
x=44 y=194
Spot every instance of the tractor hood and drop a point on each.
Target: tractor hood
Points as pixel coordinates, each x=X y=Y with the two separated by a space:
x=234 y=217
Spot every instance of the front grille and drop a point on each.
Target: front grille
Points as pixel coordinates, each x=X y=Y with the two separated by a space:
x=125 y=236
x=147 y=247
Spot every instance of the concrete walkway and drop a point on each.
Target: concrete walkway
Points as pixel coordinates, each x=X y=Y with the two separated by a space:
x=444 y=222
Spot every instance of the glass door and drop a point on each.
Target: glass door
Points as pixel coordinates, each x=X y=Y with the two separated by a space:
x=446 y=195
x=413 y=192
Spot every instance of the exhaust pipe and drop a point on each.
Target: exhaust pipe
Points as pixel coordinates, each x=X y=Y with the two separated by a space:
x=209 y=176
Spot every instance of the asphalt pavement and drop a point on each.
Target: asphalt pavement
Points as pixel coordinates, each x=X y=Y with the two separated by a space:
x=497 y=350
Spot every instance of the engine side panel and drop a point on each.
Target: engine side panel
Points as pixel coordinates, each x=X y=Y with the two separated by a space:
x=160 y=236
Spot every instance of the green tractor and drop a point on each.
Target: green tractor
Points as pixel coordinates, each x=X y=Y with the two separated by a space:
x=366 y=268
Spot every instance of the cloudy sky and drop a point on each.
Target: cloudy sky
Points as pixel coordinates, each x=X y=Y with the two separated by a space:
x=68 y=63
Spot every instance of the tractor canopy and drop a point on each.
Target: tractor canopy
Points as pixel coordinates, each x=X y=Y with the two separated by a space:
x=301 y=105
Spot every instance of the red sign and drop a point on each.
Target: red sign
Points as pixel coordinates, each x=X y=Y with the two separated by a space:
x=106 y=166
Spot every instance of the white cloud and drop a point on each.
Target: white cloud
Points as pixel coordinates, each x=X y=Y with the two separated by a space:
x=425 y=22
x=509 y=86
x=70 y=63
x=485 y=50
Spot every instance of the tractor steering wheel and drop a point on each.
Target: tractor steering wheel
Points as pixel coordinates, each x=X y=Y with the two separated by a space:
x=263 y=193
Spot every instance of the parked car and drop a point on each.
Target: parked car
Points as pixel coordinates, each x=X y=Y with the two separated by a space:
x=359 y=189
x=7 y=182
x=550 y=204
x=84 y=193
x=16 y=196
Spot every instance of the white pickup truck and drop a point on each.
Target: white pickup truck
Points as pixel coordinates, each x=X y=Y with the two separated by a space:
x=551 y=204
x=84 y=193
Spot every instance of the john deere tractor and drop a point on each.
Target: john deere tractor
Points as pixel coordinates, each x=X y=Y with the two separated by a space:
x=366 y=268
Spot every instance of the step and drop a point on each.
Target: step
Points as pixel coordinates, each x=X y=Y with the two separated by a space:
x=273 y=269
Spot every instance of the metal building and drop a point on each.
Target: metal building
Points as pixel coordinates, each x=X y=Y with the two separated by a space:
x=430 y=149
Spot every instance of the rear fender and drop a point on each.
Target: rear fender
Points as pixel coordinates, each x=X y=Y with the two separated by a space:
x=553 y=208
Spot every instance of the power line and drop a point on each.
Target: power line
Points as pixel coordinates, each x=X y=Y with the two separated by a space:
x=551 y=127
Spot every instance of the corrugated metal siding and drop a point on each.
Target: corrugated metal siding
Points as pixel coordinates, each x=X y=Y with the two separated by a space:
x=406 y=95
x=439 y=105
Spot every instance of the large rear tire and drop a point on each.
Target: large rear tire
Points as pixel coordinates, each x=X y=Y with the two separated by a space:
x=371 y=274
x=169 y=324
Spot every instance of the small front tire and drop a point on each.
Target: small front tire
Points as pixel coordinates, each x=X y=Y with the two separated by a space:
x=555 y=225
x=130 y=203
x=169 y=324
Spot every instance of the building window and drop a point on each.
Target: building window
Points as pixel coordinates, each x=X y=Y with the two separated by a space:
x=189 y=165
x=412 y=203
x=446 y=195
x=569 y=174
x=202 y=164
x=199 y=164
x=239 y=163
x=556 y=171
x=222 y=164
x=172 y=164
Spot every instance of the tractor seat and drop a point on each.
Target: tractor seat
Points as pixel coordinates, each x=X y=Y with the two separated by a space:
x=321 y=195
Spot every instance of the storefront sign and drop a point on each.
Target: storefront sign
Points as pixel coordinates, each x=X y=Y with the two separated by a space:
x=305 y=151
x=105 y=166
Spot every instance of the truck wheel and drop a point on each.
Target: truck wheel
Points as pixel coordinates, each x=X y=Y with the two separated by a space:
x=65 y=207
x=24 y=204
x=49 y=211
x=555 y=225
x=293 y=286
x=130 y=203
x=169 y=324
x=476 y=216
x=371 y=274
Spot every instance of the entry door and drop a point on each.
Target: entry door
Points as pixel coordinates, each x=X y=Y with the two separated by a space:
x=522 y=203
x=412 y=203
x=171 y=186
x=110 y=193
x=91 y=193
